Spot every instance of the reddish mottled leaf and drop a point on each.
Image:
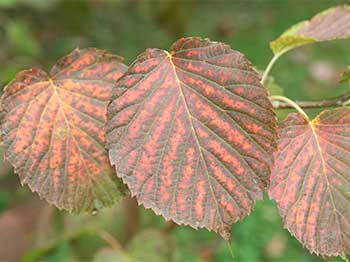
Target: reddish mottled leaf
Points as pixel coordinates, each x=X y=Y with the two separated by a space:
x=331 y=24
x=193 y=133
x=53 y=127
x=310 y=180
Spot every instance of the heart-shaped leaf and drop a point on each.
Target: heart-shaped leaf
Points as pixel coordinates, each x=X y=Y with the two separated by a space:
x=331 y=24
x=53 y=126
x=193 y=133
x=310 y=180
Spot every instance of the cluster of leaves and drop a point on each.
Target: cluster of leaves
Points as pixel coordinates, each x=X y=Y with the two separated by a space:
x=191 y=132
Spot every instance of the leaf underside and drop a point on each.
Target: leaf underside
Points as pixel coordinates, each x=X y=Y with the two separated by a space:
x=310 y=180
x=53 y=127
x=192 y=135
x=331 y=24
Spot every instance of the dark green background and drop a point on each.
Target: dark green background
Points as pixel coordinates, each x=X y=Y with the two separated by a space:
x=38 y=32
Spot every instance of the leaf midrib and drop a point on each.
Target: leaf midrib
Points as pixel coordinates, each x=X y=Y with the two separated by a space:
x=67 y=122
x=169 y=56
x=312 y=125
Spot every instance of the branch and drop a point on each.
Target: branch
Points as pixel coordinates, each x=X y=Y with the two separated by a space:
x=291 y=103
x=342 y=100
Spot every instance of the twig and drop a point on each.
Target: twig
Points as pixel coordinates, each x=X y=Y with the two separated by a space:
x=289 y=102
x=342 y=100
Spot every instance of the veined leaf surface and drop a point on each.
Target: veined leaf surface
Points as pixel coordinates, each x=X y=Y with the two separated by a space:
x=310 y=180
x=331 y=24
x=192 y=135
x=53 y=127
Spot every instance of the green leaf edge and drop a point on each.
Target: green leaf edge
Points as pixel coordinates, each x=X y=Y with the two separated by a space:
x=290 y=38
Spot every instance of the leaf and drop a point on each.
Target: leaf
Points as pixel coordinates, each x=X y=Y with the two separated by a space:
x=331 y=24
x=310 y=180
x=53 y=127
x=192 y=134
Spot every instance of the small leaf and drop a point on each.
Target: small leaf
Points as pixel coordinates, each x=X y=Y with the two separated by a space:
x=53 y=127
x=310 y=180
x=331 y=24
x=193 y=133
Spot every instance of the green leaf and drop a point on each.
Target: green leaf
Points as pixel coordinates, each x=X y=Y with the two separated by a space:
x=331 y=24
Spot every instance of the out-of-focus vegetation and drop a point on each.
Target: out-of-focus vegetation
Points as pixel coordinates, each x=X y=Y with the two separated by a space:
x=38 y=32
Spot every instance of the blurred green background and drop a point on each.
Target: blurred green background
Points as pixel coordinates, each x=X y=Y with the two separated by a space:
x=38 y=32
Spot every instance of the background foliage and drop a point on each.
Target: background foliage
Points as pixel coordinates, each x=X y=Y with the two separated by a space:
x=37 y=33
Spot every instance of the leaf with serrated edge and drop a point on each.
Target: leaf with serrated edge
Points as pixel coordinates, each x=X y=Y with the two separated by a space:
x=53 y=127
x=193 y=134
x=331 y=24
x=310 y=180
